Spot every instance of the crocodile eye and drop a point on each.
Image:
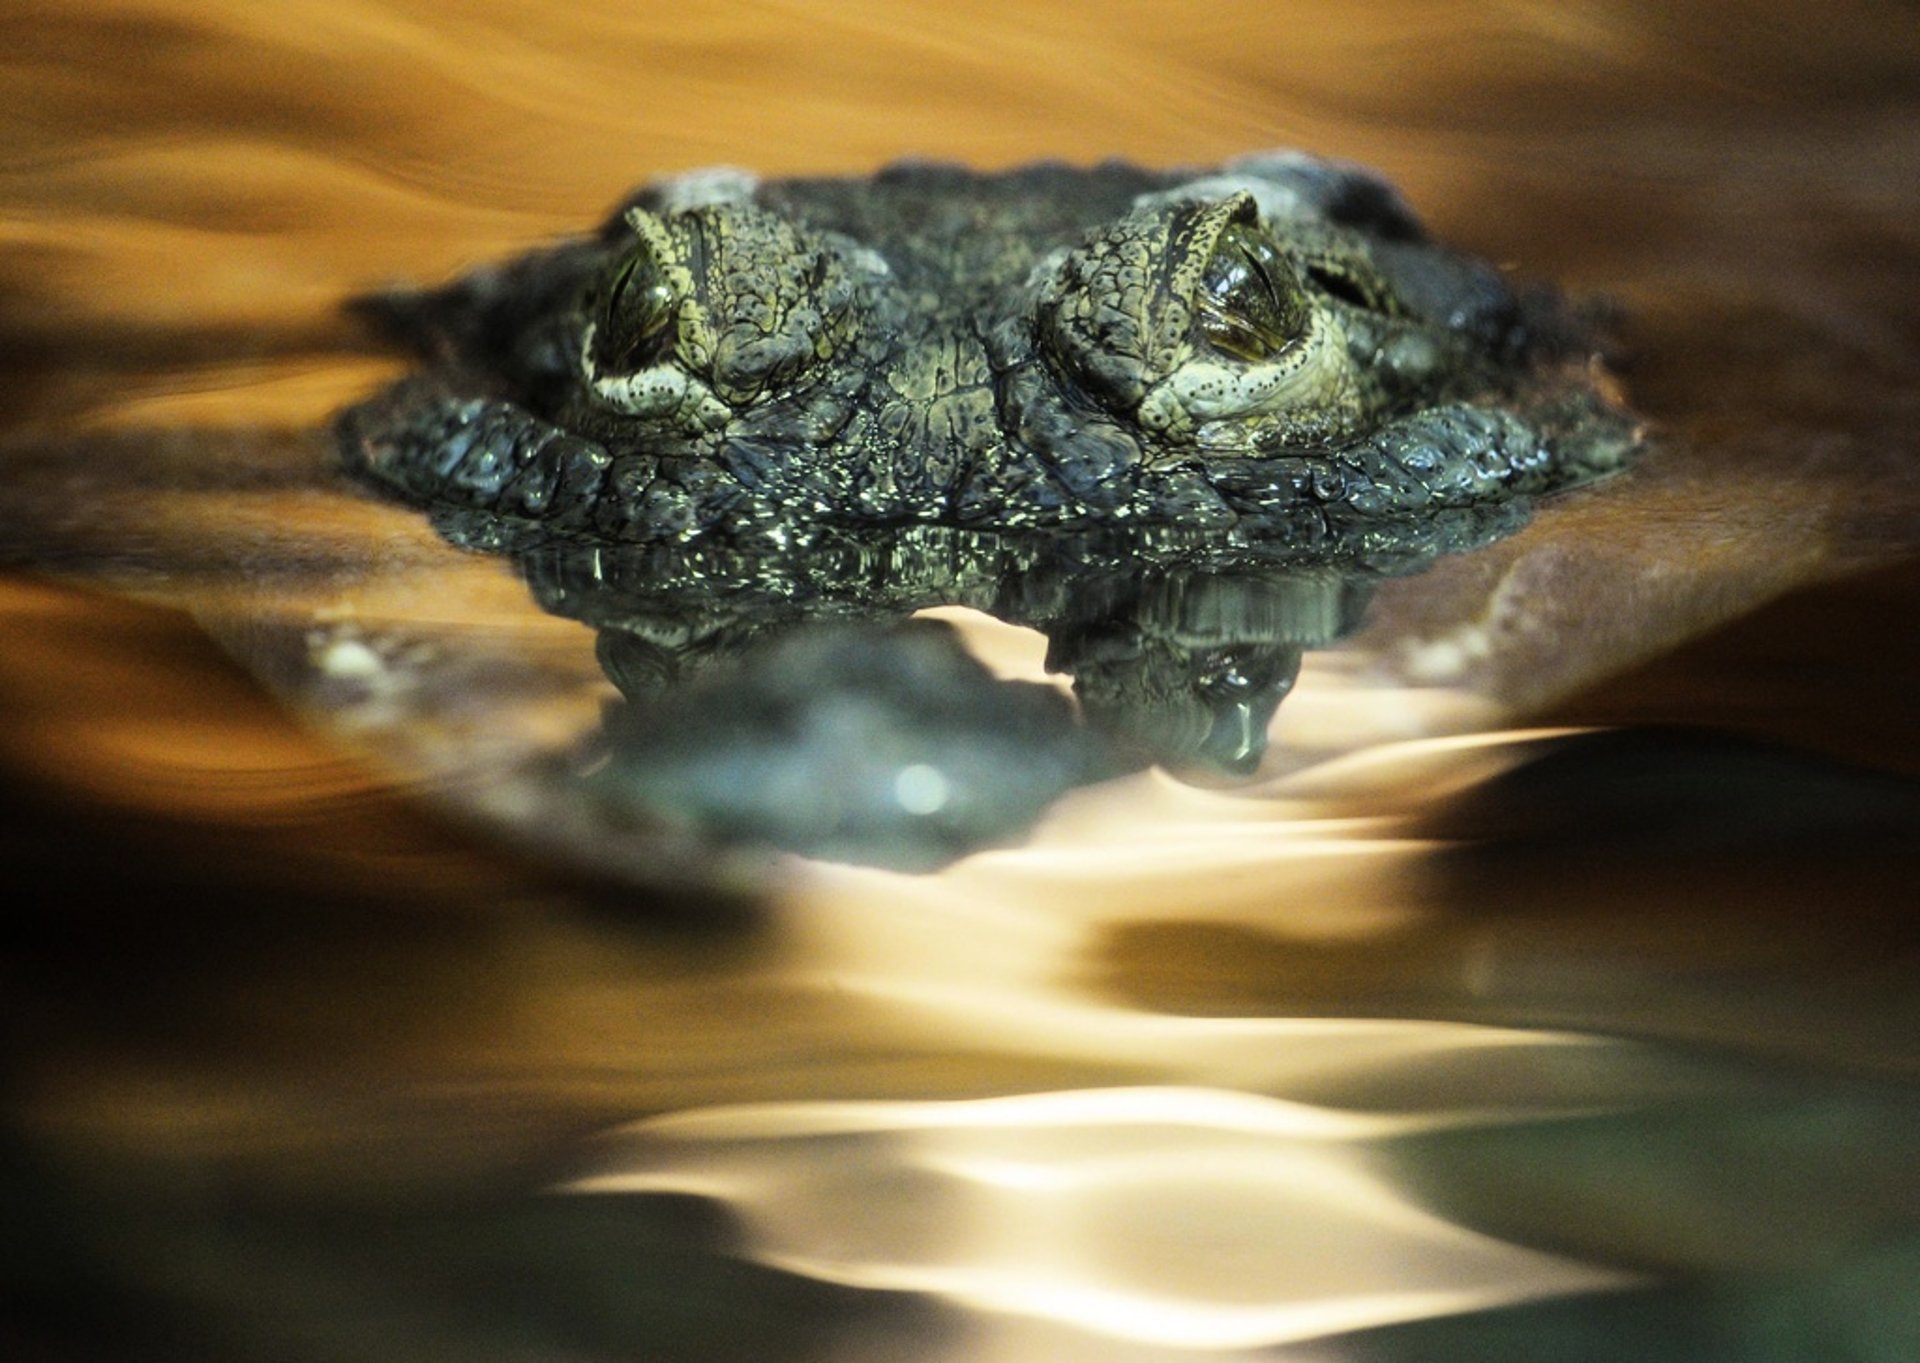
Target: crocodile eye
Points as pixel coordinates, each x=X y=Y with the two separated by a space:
x=635 y=326
x=1250 y=303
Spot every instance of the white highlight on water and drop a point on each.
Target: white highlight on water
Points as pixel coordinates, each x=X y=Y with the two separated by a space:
x=1181 y=1218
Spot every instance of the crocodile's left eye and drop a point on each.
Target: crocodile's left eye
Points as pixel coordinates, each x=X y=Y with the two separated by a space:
x=711 y=311
x=635 y=325
x=1188 y=313
x=1249 y=304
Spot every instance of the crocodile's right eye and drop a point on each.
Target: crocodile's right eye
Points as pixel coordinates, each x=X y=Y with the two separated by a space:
x=1249 y=303
x=636 y=325
x=711 y=311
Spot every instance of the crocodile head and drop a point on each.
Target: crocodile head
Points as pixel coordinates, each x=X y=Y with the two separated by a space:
x=1273 y=348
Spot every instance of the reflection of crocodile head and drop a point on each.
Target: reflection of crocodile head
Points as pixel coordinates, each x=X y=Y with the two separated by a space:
x=776 y=696
x=1270 y=351
x=1178 y=654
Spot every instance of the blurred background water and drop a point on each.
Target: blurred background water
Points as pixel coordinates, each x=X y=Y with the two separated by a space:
x=1462 y=1031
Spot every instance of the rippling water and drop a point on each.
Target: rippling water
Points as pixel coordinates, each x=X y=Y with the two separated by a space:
x=1460 y=1030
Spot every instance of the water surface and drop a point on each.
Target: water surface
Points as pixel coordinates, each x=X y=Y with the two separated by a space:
x=1450 y=1033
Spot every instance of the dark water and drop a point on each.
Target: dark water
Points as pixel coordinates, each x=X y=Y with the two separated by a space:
x=1451 y=1034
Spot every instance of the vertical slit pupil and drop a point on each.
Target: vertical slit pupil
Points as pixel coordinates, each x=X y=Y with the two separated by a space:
x=639 y=306
x=1251 y=304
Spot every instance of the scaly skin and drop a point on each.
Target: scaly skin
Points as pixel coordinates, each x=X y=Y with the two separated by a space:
x=1272 y=349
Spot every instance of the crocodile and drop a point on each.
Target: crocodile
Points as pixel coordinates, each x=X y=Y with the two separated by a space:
x=1272 y=350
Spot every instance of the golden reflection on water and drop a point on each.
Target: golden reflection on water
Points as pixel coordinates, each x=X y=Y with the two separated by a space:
x=272 y=975
x=1187 y=1219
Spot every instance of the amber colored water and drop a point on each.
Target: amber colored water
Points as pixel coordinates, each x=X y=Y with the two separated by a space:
x=1444 y=1039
